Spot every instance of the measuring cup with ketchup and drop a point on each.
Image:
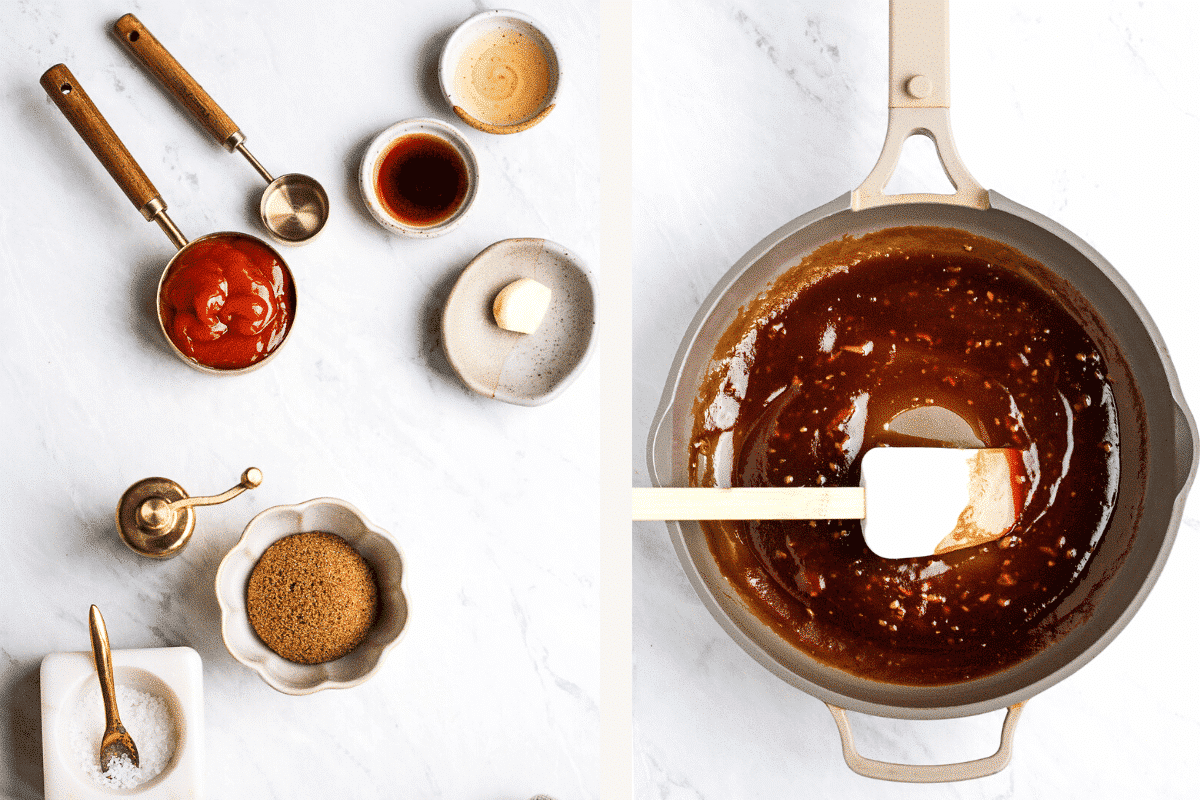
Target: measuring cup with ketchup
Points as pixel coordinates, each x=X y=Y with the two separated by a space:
x=226 y=301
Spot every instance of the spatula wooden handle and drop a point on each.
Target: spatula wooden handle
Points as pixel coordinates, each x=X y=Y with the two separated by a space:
x=843 y=502
x=171 y=74
x=87 y=120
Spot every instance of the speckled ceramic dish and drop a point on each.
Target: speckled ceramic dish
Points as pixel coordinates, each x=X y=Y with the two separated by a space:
x=525 y=369
x=372 y=543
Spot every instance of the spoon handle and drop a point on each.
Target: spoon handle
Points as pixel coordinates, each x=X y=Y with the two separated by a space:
x=93 y=128
x=171 y=74
x=760 y=502
x=103 y=656
x=251 y=479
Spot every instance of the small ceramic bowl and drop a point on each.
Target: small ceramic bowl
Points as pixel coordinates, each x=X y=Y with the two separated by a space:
x=500 y=72
x=525 y=369
x=368 y=176
x=372 y=543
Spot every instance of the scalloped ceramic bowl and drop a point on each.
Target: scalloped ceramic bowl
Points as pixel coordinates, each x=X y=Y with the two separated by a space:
x=372 y=543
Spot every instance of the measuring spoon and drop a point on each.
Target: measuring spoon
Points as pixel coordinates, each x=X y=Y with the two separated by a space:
x=77 y=107
x=294 y=208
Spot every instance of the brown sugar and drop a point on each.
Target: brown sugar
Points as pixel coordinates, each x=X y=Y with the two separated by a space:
x=311 y=597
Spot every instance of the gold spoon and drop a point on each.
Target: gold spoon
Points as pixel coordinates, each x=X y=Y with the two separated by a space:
x=116 y=742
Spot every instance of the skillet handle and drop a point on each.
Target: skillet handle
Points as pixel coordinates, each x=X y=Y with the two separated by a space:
x=77 y=107
x=171 y=74
x=919 y=103
x=928 y=773
x=1185 y=449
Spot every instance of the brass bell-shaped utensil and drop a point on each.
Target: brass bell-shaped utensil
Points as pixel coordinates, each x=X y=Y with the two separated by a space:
x=155 y=516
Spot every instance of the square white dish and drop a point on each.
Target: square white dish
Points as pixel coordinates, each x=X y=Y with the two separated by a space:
x=173 y=673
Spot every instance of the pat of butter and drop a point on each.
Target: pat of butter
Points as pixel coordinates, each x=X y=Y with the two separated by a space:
x=521 y=305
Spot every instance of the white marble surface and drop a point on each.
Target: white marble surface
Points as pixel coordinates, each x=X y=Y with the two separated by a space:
x=750 y=112
x=493 y=693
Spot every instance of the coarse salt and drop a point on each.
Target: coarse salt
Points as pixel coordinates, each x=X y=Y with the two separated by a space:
x=148 y=720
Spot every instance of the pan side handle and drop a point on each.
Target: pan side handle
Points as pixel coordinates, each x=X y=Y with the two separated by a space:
x=1185 y=449
x=928 y=773
x=919 y=103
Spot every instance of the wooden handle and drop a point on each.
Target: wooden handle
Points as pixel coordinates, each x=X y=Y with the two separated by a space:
x=843 y=502
x=102 y=655
x=79 y=110
x=134 y=35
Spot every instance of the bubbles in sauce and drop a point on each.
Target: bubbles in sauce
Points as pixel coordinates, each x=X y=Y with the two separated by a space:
x=812 y=381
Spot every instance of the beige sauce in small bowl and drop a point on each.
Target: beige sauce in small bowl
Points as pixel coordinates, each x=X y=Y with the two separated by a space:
x=499 y=71
x=503 y=77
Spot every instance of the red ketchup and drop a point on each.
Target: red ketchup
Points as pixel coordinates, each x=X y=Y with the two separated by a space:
x=227 y=301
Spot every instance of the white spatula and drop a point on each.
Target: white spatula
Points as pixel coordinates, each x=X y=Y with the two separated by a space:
x=913 y=501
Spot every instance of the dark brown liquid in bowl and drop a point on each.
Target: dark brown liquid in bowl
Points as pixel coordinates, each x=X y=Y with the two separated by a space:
x=805 y=382
x=422 y=179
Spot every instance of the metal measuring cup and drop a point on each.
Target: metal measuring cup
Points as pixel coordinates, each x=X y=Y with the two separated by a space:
x=294 y=208
x=77 y=107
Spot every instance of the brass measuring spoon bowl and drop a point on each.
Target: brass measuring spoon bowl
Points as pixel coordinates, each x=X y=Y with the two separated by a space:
x=294 y=207
x=77 y=107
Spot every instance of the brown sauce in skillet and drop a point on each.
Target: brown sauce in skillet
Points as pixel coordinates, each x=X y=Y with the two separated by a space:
x=805 y=382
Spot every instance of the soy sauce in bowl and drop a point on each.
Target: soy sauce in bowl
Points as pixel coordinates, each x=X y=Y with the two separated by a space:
x=422 y=179
x=419 y=178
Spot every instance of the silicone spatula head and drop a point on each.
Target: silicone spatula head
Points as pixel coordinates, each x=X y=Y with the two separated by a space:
x=923 y=501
